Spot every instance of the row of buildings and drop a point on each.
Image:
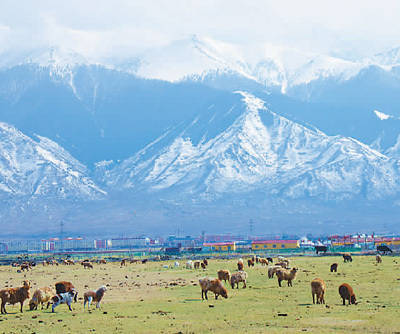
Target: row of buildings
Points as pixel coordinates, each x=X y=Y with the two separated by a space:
x=225 y=243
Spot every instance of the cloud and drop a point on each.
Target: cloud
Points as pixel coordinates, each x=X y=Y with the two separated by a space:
x=125 y=26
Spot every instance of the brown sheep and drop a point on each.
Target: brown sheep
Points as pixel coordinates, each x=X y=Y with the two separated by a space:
x=41 y=296
x=250 y=263
x=273 y=270
x=264 y=262
x=286 y=275
x=102 y=261
x=196 y=264
x=282 y=264
x=224 y=275
x=14 y=295
x=378 y=259
x=346 y=292
x=240 y=265
x=334 y=267
x=214 y=285
x=94 y=296
x=87 y=265
x=318 y=288
x=64 y=286
x=236 y=278
x=25 y=266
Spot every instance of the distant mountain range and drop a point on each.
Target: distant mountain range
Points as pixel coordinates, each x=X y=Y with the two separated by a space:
x=199 y=135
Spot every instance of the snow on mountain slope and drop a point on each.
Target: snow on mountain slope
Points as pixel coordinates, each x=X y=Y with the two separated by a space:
x=267 y=64
x=260 y=151
x=41 y=168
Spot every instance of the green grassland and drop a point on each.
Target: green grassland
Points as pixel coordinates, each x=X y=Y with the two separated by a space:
x=151 y=299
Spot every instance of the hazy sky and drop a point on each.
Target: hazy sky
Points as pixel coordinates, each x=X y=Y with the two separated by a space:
x=121 y=27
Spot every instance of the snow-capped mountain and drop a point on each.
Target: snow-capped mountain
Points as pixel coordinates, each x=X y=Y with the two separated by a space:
x=259 y=151
x=41 y=168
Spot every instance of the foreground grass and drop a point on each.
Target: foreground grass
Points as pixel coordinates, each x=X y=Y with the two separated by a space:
x=151 y=299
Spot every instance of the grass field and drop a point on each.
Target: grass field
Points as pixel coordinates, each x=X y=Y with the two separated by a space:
x=150 y=299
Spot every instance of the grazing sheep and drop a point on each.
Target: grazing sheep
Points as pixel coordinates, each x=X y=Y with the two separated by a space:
x=64 y=286
x=236 y=278
x=286 y=275
x=264 y=262
x=189 y=264
x=123 y=262
x=203 y=266
x=270 y=260
x=205 y=261
x=273 y=270
x=334 y=267
x=41 y=296
x=224 y=275
x=378 y=259
x=87 y=265
x=62 y=298
x=347 y=257
x=25 y=266
x=95 y=296
x=282 y=264
x=318 y=288
x=250 y=263
x=240 y=264
x=214 y=285
x=144 y=261
x=196 y=264
x=14 y=295
x=103 y=261
x=71 y=262
x=346 y=292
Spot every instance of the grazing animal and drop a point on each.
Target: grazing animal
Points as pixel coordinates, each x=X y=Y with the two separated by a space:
x=384 y=249
x=378 y=259
x=318 y=288
x=203 y=266
x=87 y=265
x=213 y=285
x=71 y=262
x=25 y=266
x=176 y=264
x=62 y=298
x=270 y=260
x=347 y=257
x=240 y=265
x=250 y=262
x=196 y=264
x=134 y=261
x=95 y=296
x=273 y=270
x=347 y=293
x=144 y=261
x=282 y=264
x=123 y=262
x=286 y=275
x=264 y=262
x=14 y=295
x=102 y=261
x=64 y=286
x=224 y=275
x=205 y=261
x=334 y=267
x=236 y=278
x=189 y=264
x=41 y=296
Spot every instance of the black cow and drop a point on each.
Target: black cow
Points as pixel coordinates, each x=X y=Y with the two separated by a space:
x=384 y=249
x=320 y=249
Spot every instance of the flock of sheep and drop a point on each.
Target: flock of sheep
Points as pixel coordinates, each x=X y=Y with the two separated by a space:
x=65 y=292
x=283 y=273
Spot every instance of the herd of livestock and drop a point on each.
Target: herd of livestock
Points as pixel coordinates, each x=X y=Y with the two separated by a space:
x=282 y=271
x=65 y=292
